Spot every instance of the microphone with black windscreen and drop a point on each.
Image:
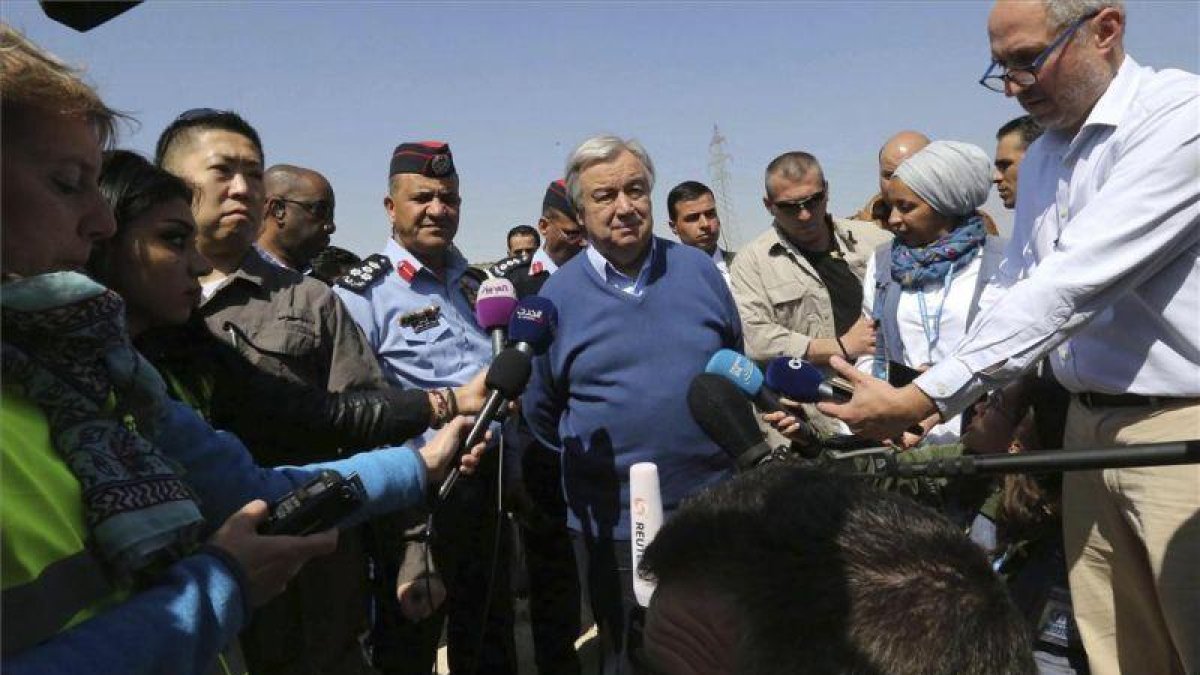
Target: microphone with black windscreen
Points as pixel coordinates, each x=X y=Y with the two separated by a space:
x=531 y=330
x=494 y=305
x=719 y=408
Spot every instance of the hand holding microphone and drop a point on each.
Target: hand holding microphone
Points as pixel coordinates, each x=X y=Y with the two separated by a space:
x=531 y=330
x=877 y=409
x=741 y=372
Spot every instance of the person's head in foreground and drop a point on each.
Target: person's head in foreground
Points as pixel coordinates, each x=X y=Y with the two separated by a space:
x=784 y=570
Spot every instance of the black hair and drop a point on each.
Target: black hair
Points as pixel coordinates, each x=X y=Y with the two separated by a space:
x=332 y=262
x=685 y=192
x=829 y=575
x=524 y=231
x=202 y=119
x=1029 y=128
x=131 y=186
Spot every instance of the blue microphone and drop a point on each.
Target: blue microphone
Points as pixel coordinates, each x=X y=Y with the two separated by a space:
x=801 y=381
x=532 y=325
x=742 y=372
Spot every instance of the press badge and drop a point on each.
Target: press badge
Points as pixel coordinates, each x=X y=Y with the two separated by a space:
x=422 y=319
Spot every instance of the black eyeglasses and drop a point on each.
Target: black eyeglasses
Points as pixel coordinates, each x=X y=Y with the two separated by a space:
x=1026 y=76
x=801 y=204
x=320 y=209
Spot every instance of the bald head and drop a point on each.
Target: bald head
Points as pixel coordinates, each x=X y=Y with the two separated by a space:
x=298 y=216
x=897 y=149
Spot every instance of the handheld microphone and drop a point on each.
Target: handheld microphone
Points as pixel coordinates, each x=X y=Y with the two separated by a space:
x=494 y=305
x=533 y=323
x=719 y=408
x=532 y=330
x=742 y=372
x=801 y=381
x=645 y=519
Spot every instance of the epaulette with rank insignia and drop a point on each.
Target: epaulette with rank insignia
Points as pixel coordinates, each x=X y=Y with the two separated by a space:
x=504 y=268
x=362 y=275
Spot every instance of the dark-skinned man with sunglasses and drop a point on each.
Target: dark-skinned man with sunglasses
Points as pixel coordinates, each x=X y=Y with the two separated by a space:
x=297 y=217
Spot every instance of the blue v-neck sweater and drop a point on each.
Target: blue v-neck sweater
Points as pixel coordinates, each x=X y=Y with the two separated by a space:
x=612 y=389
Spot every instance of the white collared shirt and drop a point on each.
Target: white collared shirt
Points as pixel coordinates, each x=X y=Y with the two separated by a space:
x=718 y=257
x=615 y=278
x=542 y=262
x=1105 y=249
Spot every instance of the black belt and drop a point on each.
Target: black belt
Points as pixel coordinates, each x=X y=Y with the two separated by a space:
x=1098 y=400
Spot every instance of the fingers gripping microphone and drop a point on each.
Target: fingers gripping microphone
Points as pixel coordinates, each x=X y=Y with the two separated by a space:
x=719 y=407
x=531 y=329
x=494 y=305
x=645 y=519
x=801 y=381
x=742 y=372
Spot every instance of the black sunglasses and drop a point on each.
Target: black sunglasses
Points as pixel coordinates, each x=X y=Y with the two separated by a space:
x=801 y=204
x=320 y=209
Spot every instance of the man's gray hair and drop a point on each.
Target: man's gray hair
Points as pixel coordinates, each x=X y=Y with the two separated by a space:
x=597 y=150
x=1062 y=12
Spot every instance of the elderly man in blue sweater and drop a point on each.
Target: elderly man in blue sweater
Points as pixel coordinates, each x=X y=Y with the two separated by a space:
x=639 y=317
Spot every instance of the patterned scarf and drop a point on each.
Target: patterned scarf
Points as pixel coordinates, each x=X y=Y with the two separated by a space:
x=65 y=346
x=913 y=267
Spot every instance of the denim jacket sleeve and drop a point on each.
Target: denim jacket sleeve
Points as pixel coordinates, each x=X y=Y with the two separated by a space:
x=177 y=625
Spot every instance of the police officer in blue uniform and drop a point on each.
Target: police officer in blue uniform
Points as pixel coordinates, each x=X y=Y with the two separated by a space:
x=414 y=301
x=533 y=471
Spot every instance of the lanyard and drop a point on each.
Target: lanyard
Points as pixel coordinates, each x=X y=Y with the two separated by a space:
x=934 y=332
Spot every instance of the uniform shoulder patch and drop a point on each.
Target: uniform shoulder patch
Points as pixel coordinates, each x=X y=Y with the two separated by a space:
x=361 y=276
x=504 y=268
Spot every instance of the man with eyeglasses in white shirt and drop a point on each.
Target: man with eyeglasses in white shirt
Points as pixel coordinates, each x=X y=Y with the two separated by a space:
x=1102 y=276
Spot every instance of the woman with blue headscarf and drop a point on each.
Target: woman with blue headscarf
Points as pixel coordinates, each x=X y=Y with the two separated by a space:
x=928 y=281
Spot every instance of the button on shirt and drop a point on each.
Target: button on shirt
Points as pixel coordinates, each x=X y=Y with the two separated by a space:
x=1104 y=251
x=445 y=350
x=617 y=279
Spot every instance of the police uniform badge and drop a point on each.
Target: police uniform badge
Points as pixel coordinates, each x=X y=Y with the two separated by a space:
x=423 y=319
x=365 y=273
x=441 y=165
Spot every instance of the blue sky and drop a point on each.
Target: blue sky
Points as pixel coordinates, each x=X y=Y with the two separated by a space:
x=514 y=86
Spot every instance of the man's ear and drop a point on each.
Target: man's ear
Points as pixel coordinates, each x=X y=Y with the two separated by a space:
x=543 y=226
x=276 y=210
x=769 y=205
x=1110 y=27
x=674 y=230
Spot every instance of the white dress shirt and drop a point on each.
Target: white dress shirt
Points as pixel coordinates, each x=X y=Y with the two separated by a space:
x=909 y=341
x=718 y=257
x=1105 y=248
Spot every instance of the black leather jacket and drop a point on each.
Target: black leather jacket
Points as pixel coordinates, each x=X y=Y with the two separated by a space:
x=281 y=421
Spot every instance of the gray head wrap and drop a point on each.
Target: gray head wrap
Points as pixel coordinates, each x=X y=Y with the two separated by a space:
x=953 y=177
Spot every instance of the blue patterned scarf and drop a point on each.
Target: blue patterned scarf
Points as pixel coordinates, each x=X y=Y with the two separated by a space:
x=66 y=347
x=913 y=267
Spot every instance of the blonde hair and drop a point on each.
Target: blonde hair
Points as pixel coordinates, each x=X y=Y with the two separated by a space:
x=32 y=78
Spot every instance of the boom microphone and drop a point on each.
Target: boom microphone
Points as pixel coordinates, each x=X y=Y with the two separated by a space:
x=801 y=381
x=532 y=330
x=1051 y=461
x=742 y=372
x=645 y=519
x=494 y=305
x=719 y=408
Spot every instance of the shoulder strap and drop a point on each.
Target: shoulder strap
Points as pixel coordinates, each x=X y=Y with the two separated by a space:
x=362 y=276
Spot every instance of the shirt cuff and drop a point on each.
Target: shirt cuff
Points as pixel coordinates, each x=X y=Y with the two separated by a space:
x=952 y=386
